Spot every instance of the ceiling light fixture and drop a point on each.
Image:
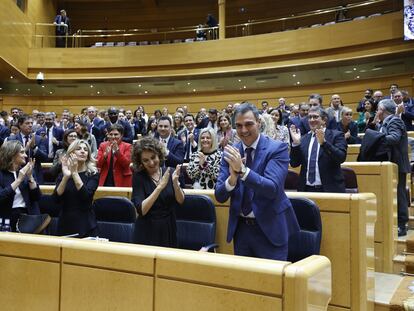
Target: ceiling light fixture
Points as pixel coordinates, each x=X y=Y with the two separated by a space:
x=294 y=75
x=146 y=92
x=91 y=86
x=11 y=77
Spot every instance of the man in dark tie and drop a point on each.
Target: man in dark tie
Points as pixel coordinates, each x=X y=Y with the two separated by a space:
x=320 y=153
x=189 y=137
x=53 y=135
x=252 y=175
x=173 y=146
x=396 y=138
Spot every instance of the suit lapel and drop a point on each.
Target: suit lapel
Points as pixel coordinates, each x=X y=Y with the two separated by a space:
x=306 y=142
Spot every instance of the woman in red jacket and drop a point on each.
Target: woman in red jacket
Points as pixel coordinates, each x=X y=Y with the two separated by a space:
x=114 y=159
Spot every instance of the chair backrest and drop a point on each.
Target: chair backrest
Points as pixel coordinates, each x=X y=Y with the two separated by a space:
x=351 y=183
x=48 y=205
x=196 y=222
x=115 y=218
x=292 y=181
x=307 y=241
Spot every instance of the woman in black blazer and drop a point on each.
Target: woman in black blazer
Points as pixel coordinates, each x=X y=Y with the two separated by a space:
x=19 y=191
x=75 y=189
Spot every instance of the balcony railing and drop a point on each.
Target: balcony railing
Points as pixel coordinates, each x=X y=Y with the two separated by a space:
x=132 y=37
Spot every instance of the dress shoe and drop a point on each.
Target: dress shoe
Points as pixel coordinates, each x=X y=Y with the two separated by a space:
x=32 y=223
x=402 y=230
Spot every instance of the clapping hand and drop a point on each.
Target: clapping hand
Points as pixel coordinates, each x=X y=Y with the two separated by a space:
x=295 y=134
x=25 y=170
x=73 y=163
x=233 y=158
x=65 y=167
x=347 y=134
x=400 y=108
x=164 y=180
x=176 y=174
x=55 y=141
x=114 y=147
x=202 y=158
x=30 y=164
x=320 y=136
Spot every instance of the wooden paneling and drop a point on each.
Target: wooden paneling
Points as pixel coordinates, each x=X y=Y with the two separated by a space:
x=345 y=41
x=350 y=91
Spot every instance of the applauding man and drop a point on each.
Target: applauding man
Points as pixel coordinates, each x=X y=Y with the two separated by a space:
x=320 y=153
x=253 y=175
x=114 y=159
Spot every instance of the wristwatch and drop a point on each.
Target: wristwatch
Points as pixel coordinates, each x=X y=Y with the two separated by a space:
x=243 y=170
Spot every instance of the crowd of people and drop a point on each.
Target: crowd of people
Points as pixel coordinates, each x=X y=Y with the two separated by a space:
x=241 y=152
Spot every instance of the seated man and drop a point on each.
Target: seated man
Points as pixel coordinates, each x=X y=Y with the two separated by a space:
x=320 y=153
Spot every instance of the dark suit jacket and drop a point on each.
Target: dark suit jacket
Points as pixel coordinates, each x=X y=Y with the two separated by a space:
x=271 y=207
x=98 y=129
x=331 y=154
x=396 y=137
x=39 y=153
x=353 y=129
x=57 y=133
x=128 y=135
x=176 y=152
x=408 y=115
x=7 y=194
x=305 y=128
x=4 y=133
x=187 y=144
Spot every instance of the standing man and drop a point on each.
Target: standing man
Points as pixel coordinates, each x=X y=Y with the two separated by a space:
x=320 y=153
x=53 y=135
x=315 y=100
x=396 y=138
x=189 y=137
x=335 y=109
x=252 y=175
x=62 y=28
x=113 y=116
x=173 y=146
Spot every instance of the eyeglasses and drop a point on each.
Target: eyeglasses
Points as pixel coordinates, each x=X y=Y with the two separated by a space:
x=313 y=116
x=73 y=136
x=348 y=114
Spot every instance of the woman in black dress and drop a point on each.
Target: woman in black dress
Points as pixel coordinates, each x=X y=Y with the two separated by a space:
x=156 y=193
x=75 y=189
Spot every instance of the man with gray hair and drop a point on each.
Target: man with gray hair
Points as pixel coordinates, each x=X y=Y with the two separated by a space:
x=396 y=138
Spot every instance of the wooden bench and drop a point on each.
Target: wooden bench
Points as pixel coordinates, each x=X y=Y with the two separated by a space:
x=50 y=273
x=347 y=240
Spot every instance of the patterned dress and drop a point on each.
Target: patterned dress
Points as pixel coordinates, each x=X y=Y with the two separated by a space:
x=205 y=176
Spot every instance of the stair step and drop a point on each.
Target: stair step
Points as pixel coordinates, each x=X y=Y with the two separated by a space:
x=399 y=264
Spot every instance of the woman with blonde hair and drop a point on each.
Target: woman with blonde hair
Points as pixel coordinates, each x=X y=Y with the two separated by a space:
x=204 y=165
x=75 y=189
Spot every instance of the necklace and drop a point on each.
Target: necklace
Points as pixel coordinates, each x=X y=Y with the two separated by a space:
x=156 y=181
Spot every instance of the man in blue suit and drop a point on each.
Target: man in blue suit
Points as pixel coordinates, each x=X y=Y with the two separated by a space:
x=189 y=136
x=174 y=147
x=96 y=125
x=52 y=134
x=320 y=153
x=252 y=175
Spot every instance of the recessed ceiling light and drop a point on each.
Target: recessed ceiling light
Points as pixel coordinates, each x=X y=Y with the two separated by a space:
x=239 y=80
x=146 y=92
x=17 y=90
x=1 y=88
x=28 y=90
x=98 y=92
x=377 y=68
x=188 y=83
x=43 y=86
x=293 y=75
x=298 y=82
x=357 y=77
x=348 y=71
x=363 y=70
x=354 y=69
x=50 y=92
x=139 y=85
x=244 y=86
x=194 y=90
x=91 y=86
x=11 y=77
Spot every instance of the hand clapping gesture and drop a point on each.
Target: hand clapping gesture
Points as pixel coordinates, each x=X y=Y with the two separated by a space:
x=164 y=180
x=65 y=167
x=320 y=136
x=233 y=158
x=295 y=134
x=176 y=174
x=202 y=158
